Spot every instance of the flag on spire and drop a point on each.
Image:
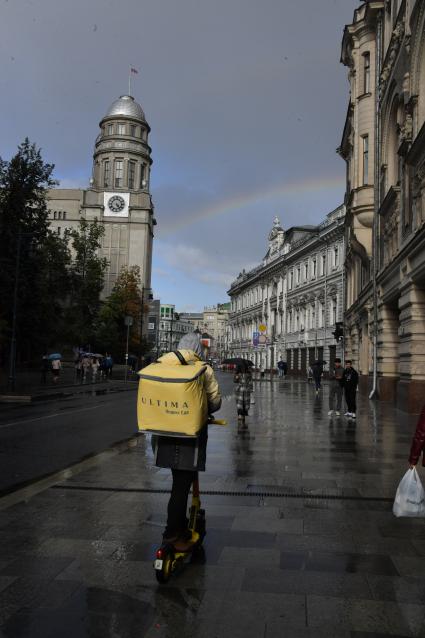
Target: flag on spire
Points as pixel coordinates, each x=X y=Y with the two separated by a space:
x=133 y=70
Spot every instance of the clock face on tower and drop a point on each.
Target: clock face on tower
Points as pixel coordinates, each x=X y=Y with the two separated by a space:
x=116 y=204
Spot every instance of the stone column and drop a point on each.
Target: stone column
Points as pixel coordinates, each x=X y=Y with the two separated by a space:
x=388 y=351
x=353 y=351
x=411 y=387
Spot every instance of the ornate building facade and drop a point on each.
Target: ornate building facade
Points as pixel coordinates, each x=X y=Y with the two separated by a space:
x=288 y=306
x=118 y=195
x=383 y=144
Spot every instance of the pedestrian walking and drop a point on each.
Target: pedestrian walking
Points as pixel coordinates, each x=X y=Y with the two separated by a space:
x=317 y=369
x=85 y=366
x=281 y=368
x=418 y=442
x=243 y=389
x=309 y=374
x=350 y=382
x=185 y=456
x=336 y=388
x=109 y=362
x=56 y=368
x=262 y=370
x=94 y=369
x=45 y=367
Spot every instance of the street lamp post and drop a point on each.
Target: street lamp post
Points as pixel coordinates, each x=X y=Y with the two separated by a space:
x=128 y=322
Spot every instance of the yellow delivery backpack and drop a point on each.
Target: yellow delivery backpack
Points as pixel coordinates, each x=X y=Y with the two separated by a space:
x=172 y=399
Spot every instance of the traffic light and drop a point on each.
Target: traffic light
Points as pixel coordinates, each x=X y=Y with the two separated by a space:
x=339 y=331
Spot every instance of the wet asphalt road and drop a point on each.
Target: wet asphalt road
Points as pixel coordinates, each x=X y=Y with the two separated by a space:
x=42 y=438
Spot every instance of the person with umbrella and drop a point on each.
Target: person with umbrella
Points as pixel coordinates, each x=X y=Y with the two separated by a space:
x=243 y=389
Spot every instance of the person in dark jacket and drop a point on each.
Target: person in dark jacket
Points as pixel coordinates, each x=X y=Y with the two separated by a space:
x=317 y=369
x=282 y=368
x=336 y=388
x=183 y=455
x=350 y=382
x=418 y=442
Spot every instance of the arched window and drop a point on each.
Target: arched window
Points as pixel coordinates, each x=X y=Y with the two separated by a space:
x=64 y=215
x=55 y=215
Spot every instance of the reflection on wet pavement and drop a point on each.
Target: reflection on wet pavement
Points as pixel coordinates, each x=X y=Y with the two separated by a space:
x=301 y=541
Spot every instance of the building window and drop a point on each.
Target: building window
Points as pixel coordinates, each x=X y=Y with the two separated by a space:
x=131 y=173
x=306 y=271
x=365 y=139
x=121 y=129
x=133 y=130
x=298 y=274
x=119 y=173
x=59 y=230
x=313 y=267
x=142 y=176
x=291 y=280
x=323 y=264
x=110 y=129
x=55 y=215
x=366 y=73
x=106 y=173
x=64 y=215
x=336 y=256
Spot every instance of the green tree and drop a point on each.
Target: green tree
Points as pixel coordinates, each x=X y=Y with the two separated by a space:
x=124 y=300
x=29 y=248
x=87 y=272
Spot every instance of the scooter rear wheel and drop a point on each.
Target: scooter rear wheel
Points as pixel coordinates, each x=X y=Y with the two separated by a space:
x=163 y=573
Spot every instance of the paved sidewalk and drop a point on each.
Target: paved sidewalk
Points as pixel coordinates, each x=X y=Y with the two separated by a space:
x=301 y=540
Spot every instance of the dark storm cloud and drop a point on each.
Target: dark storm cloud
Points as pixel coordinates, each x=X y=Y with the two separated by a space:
x=243 y=97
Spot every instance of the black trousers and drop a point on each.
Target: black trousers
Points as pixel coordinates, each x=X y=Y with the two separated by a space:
x=350 y=397
x=177 y=505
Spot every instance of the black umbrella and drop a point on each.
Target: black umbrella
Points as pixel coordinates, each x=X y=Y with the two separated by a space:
x=238 y=361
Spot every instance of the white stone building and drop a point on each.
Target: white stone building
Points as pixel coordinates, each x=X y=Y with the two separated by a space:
x=172 y=327
x=293 y=300
x=383 y=144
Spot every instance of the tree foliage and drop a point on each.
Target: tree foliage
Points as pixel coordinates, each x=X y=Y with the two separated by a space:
x=124 y=300
x=30 y=250
x=86 y=274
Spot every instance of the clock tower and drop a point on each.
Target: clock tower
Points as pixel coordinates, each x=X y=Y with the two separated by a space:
x=118 y=195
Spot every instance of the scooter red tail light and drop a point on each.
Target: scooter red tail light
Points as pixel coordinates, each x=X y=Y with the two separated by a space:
x=160 y=554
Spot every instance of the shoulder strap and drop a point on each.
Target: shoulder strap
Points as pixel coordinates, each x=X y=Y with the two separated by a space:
x=180 y=357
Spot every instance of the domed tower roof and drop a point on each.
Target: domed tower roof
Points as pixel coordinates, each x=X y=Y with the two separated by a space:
x=126 y=105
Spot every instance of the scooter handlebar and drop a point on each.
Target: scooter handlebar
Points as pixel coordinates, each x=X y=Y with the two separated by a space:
x=213 y=421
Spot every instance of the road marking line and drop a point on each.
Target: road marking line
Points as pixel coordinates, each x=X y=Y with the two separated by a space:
x=48 y=416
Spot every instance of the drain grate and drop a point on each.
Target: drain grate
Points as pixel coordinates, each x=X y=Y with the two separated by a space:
x=283 y=494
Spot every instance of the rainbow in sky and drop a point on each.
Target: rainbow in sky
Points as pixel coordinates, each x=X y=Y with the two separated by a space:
x=231 y=204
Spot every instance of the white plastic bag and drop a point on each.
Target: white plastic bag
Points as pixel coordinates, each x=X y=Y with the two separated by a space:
x=410 y=496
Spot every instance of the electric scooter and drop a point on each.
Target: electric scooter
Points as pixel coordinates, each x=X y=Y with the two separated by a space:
x=168 y=560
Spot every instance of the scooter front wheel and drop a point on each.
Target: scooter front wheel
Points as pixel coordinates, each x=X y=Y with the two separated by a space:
x=163 y=564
